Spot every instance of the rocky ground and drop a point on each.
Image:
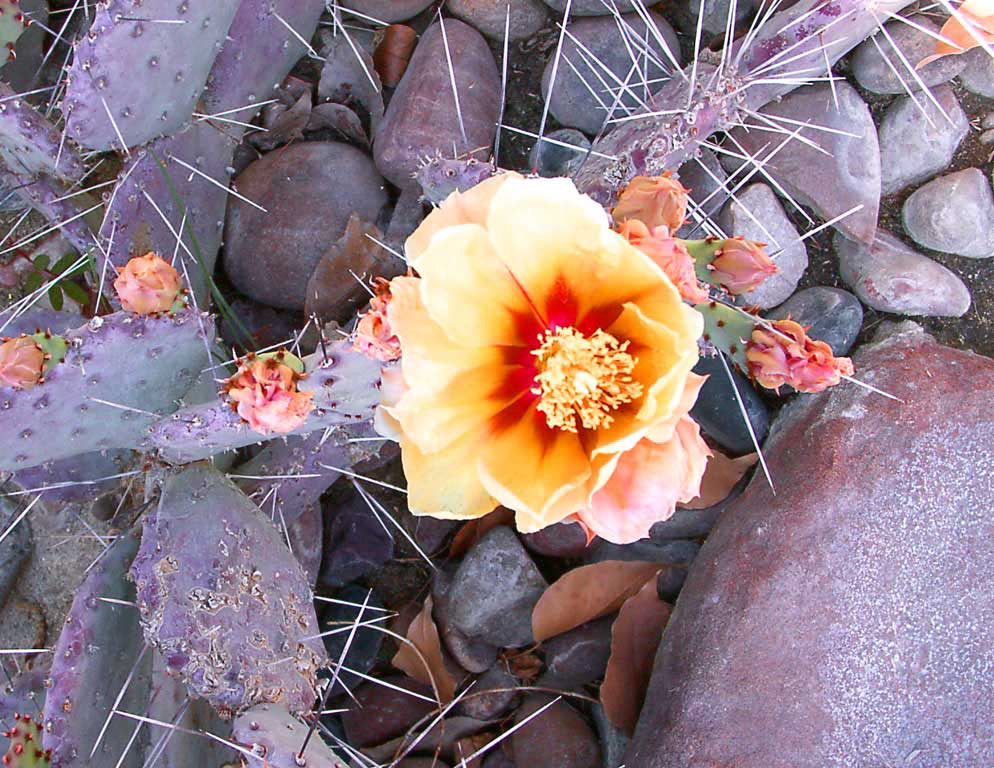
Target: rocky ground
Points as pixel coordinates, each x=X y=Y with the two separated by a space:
x=843 y=620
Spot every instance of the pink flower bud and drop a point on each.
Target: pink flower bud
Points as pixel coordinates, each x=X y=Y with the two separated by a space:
x=741 y=265
x=784 y=354
x=374 y=337
x=264 y=393
x=655 y=201
x=670 y=254
x=147 y=284
x=21 y=363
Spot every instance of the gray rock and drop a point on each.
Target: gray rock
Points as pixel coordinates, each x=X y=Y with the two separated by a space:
x=308 y=191
x=365 y=644
x=566 y=540
x=584 y=93
x=14 y=549
x=614 y=742
x=387 y=10
x=380 y=713
x=844 y=175
x=495 y=589
x=717 y=410
x=471 y=654
x=548 y=159
x=953 y=213
x=830 y=315
x=491 y=696
x=490 y=16
x=870 y=61
x=558 y=737
x=918 y=140
x=715 y=18
x=757 y=215
x=591 y=7
x=891 y=277
x=705 y=178
x=354 y=542
x=422 y=118
x=978 y=74
x=579 y=656
x=847 y=620
x=664 y=552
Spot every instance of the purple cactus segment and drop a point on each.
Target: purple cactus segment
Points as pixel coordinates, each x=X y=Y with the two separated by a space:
x=121 y=373
x=804 y=38
x=263 y=43
x=346 y=391
x=30 y=145
x=136 y=76
x=222 y=598
x=78 y=479
x=99 y=648
x=440 y=177
x=144 y=214
x=275 y=737
x=38 y=319
x=50 y=198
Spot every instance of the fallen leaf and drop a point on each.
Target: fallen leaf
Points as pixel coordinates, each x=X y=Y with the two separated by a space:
x=587 y=593
x=721 y=475
x=393 y=54
x=524 y=665
x=970 y=26
x=423 y=635
x=635 y=636
x=474 y=530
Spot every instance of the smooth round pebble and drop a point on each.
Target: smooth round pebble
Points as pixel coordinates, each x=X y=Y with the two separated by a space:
x=490 y=16
x=387 y=10
x=830 y=315
x=548 y=159
x=954 y=214
x=873 y=72
x=717 y=409
x=978 y=74
x=590 y=7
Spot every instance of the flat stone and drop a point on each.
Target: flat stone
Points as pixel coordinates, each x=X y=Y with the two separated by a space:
x=918 y=140
x=490 y=16
x=717 y=410
x=715 y=18
x=354 y=542
x=705 y=178
x=266 y=326
x=308 y=191
x=978 y=74
x=580 y=97
x=422 y=118
x=870 y=63
x=472 y=654
x=590 y=7
x=579 y=656
x=495 y=589
x=566 y=540
x=14 y=549
x=953 y=213
x=387 y=10
x=558 y=737
x=847 y=620
x=757 y=215
x=614 y=741
x=366 y=642
x=662 y=551
x=829 y=314
x=549 y=160
x=844 y=175
x=891 y=277
x=492 y=695
x=379 y=713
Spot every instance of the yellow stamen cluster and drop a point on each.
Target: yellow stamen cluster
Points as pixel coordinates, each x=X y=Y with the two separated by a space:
x=583 y=378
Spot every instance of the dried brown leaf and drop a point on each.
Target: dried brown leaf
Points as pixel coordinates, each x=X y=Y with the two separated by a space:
x=393 y=54
x=635 y=637
x=970 y=26
x=720 y=477
x=471 y=532
x=587 y=593
x=423 y=635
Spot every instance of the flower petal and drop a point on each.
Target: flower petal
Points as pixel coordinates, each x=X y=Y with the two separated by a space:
x=469 y=292
x=444 y=484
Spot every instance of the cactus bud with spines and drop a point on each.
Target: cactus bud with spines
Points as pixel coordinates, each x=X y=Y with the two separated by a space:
x=13 y=22
x=25 y=745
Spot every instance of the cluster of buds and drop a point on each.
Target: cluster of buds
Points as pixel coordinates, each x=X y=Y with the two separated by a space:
x=373 y=336
x=781 y=353
x=264 y=393
x=148 y=284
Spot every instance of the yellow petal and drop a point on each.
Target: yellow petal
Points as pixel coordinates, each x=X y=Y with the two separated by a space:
x=470 y=207
x=540 y=473
x=470 y=293
x=445 y=484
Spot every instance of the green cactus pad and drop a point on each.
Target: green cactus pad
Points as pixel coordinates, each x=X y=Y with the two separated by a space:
x=25 y=745
x=53 y=346
x=727 y=328
x=12 y=25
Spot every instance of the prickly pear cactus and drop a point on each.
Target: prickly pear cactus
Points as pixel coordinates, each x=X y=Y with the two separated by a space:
x=440 y=177
x=346 y=391
x=222 y=598
x=121 y=372
x=25 y=749
x=140 y=69
x=99 y=648
x=30 y=145
x=12 y=25
x=275 y=738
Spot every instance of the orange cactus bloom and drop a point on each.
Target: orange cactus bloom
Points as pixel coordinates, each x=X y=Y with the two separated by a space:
x=784 y=354
x=670 y=254
x=147 y=284
x=264 y=393
x=656 y=201
x=22 y=362
x=539 y=348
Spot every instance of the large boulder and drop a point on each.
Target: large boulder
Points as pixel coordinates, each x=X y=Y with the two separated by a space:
x=847 y=620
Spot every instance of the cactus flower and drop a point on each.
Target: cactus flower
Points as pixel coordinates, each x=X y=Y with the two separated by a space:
x=741 y=265
x=783 y=354
x=373 y=336
x=147 y=284
x=539 y=349
x=654 y=200
x=670 y=254
x=264 y=393
x=22 y=363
